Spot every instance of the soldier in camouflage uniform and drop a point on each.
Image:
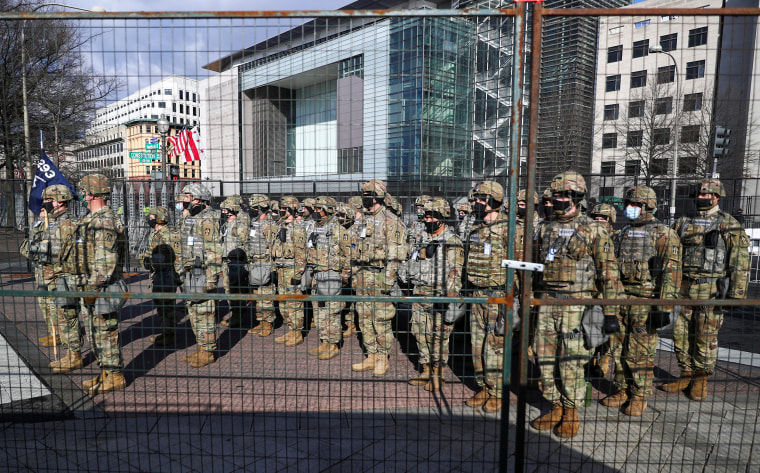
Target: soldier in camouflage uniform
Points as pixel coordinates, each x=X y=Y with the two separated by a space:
x=377 y=251
x=235 y=228
x=95 y=253
x=160 y=258
x=547 y=205
x=435 y=269
x=304 y=214
x=260 y=237
x=289 y=258
x=329 y=253
x=649 y=258
x=346 y=215
x=417 y=229
x=201 y=262
x=715 y=266
x=579 y=262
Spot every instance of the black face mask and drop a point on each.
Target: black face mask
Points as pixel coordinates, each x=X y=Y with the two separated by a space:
x=196 y=209
x=223 y=218
x=521 y=212
x=461 y=217
x=704 y=203
x=186 y=205
x=432 y=227
x=560 y=206
x=254 y=213
x=316 y=216
x=48 y=206
x=152 y=222
x=283 y=213
x=479 y=210
x=368 y=202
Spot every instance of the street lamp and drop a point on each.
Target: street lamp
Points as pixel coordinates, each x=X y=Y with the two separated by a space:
x=163 y=129
x=657 y=49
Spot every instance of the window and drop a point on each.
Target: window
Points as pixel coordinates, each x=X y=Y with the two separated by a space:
x=608 y=168
x=666 y=74
x=661 y=136
x=659 y=166
x=687 y=165
x=161 y=104
x=636 y=109
x=180 y=95
x=698 y=37
x=632 y=167
x=668 y=18
x=615 y=53
x=663 y=106
x=641 y=48
x=635 y=139
x=690 y=134
x=695 y=70
x=616 y=30
x=609 y=140
x=174 y=107
x=350 y=159
x=611 y=112
x=613 y=83
x=692 y=102
x=193 y=96
x=181 y=107
x=638 y=79
x=167 y=91
x=641 y=24
x=669 y=42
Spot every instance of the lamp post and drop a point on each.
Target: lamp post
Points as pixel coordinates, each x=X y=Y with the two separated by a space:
x=657 y=49
x=163 y=129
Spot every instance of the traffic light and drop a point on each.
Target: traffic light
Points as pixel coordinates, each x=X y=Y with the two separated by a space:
x=721 y=141
x=174 y=172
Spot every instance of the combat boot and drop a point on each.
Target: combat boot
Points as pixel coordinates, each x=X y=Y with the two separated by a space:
x=189 y=358
x=366 y=365
x=680 y=384
x=317 y=351
x=95 y=381
x=698 y=391
x=294 y=338
x=569 y=425
x=72 y=361
x=282 y=338
x=112 y=382
x=50 y=341
x=636 y=407
x=480 y=398
x=381 y=365
x=204 y=358
x=350 y=328
x=493 y=405
x=265 y=329
x=423 y=378
x=615 y=400
x=550 y=419
x=604 y=365
x=162 y=339
x=330 y=352
x=436 y=380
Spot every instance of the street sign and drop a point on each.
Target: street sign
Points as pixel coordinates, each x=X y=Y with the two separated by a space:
x=141 y=156
x=153 y=146
x=153 y=140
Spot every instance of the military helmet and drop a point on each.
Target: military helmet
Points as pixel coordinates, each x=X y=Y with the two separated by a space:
x=440 y=205
x=393 y=204
x=464 y=207
x=569 y=181
x=491 y=188
x=95 y=184
x=347 y=210
x=289 y=202
x=643 y=195
x=711 y=186
x=356 y=203
x=274 y=205
x=258 y=200
x=308 y=202
x=58 y=193
x=198 y=191
x=604 y=210
x=162 y=215
x=326 y=203
x=233 y=202
x=547 y=194
x=420 y=201
x=375 y=186
x=521 y=196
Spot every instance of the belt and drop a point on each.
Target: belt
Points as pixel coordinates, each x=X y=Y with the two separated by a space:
x=577 y=333
x=372 y=269
x=557 y=295
x=700 y=280
x=285 y=265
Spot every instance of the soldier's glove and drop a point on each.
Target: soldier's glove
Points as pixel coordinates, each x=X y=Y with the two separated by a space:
x=454 y=312
x=282 y=235
x=147 y=263
x=658 y=319
x=209 y=287
x=295 y=282
x=711 y=239
x=610 y=325
x=655 y=266
x=430 y=249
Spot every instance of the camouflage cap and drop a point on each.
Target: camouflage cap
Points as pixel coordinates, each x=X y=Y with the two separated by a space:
x=308 y=202
x=356 y=203
x=604 y=210
x=258 y=200
x=492 y=188
x=393 y=204
x=198 y=191
x=375 y=186
x=420 y=201
x=643 y=195
x=521 y=196
x=440 y=205
x=346 y=211
x=58 y=193
x=326 y=203
x=233 y=202
x=162 y=215
x=289 y=202
x=547 y=194
x=569 y=181
x=711 y=186
x=95 y=184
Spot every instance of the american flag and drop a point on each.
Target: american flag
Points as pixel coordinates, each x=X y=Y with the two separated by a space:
x=186 y=142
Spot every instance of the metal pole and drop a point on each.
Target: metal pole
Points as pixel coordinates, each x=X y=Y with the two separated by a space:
x=163 y=156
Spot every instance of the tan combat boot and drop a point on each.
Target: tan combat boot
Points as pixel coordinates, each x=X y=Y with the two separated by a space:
x=95 y=381
x=189 y=358
x=49 y=341
x=493 y=405
x=204 y=358
x=480 y=398
x=569 y=425
x=698 y=391
x=112 y=382
x=295 y=338
x=636 y=407
x=615 y=400
x=366 y=365
x=162 y=339
x=317 y=351
x=550 y=419
x=436 y=379
x=381 y=365
x=350 y=329
x=264 y=329
x=330 y=352
x=282 y=338
x=423 y=378
x=604 y=365
x=71 y=362
x=680 y=384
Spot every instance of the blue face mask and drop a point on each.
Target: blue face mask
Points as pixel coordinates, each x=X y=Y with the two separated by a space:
x=632 y=213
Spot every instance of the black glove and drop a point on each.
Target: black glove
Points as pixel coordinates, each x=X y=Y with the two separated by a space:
x=658 y=319
x=147 y=264
x=283 y=235
x=611 y=324
x=430 y=249
x=655 y=266
x=295 y=282
x=711 y=239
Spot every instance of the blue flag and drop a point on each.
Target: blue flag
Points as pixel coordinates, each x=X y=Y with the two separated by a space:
x=47 y=175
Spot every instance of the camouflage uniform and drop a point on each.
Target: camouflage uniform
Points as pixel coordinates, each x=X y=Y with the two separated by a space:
x=289 y=258
x=464 y=227
x=234 y=269
x=415 y=231
x=649 y=258
x=260 y=237
x=377 y=251
x=715 y=266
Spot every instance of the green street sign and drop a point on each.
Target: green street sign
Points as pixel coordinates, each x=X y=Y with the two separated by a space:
x=144 y=156
x=153 y=146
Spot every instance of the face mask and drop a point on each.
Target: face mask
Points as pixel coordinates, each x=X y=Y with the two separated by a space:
x=479 y=210
x=461 y=216
x=316 y=216
x=186 y=205
x=432 y=227
x=179 y=206
x=560 y=206
x=704 y=203
x=282 y=213
x=48 y=206
x=152 y=222
x=254 y=213
x=548 y=211
x=521 y=211
x=632 y=212
x=224 y=217
x=368 y=202
x=196 y=209
x=341 y=219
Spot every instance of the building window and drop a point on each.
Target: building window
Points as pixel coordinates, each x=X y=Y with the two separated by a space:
x=608 y=168
x=635 y=139
x=180 y=95
x=174 y=107
x=636 y=109
x=606 y=192
x=695 y=70
x=632 y=167
x=641 y=48
x=698 y=37
x=669 y=42
x=353 y=66
x=687 y=165
x=615 y=53
x=613 y=83
x=659 y=166
x=161 y=104
x=666 y=74
x=193 y=97
x=167 y=91
x=690 y=134
x=616 y=30
x=609 y=140
x=661 y=136
x=663 y=106
x=181 y=107
x=641 y=24
x=611 y=112
x=638 y=79
x=692 y=102
x=350 y=160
